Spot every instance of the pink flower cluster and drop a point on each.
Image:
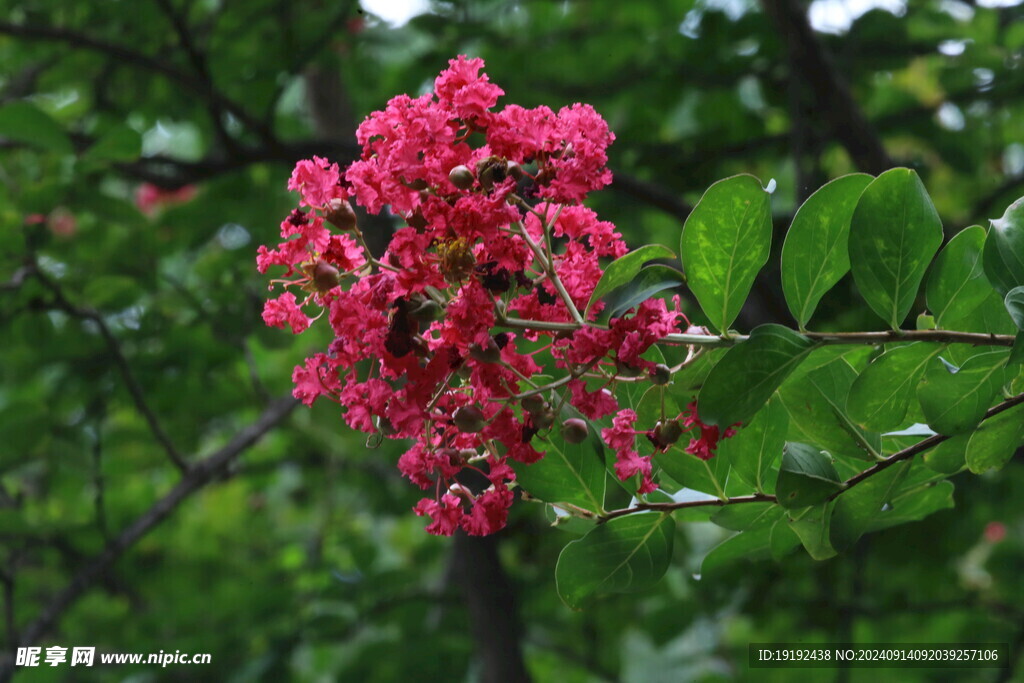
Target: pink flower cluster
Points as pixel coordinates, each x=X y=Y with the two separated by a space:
x=621 y=437
x=436 y=340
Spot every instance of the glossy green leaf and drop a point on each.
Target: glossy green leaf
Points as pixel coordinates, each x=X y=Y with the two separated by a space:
x=806 y=477
x=913 y=504
x=815 y=403
x=957 y=283
x=706 y=476
x=625 y=268
x=949 y=457
x=1004 y=249
x=1015 y=305
x=568 y=473
x=894 y=234
x=627 y=553
x=747 y=516
x=22 y=121
x=757 y=446
x=749 y=374
x=725 y=242
x=772 y=541
x=857 y=508
x=955 y=402
x=815 y=255
x=881 y=394
x=994 y=443
x=1017 y=352
x=643 y=286
x=812 y=526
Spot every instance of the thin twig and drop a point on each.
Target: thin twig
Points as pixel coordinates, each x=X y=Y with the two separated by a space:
x=900 y=456
x=139 y=60
x=61 y=302
x=200 y=474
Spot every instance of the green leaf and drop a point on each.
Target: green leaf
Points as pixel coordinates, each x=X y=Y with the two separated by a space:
x=725 y=242
x=121 y=143
x=627 y=553
x=880 y=396
x=1017 y=352
x=894 y=234
x=747 y=516
x=625 y=268
x=955 y=402
x=807 y=477
x=856 y=509
x=22 y=121
x=957 y=283
x=815 y=255
x=1015 y=305
x=568 y=473
x=749 y=374
x=706 y=476
x=757 y=446
x=812 y=526
x=771 y=541
x=815 y=403
x=643 y=286
x=1004 y=249
x=949 y=456
x=913 y=504
x=994 y=443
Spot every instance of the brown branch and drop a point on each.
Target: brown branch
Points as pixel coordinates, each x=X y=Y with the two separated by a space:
x=61 y=302
x=671 y=507
x=139 y=60
x=920 y=447
x=199 y=65
x=835 y=102
x=900 y=456
x=651 y=193
x=200 y=474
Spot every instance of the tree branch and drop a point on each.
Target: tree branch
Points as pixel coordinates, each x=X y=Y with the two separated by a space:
x=835 y=102
x=139 y=60
x=61 y=302
x=199 y=65
x=200 y=474
x=899 y=456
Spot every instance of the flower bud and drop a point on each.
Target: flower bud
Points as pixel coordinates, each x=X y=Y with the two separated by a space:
x=514 y=170
x=574 y=430
x=533 y=404
x=667 y=433
x=469 y=419
x=625 y=369
x=461 y=177
x=339 y=213
x=485 y=353
x=661 y=374
x=543 y=419
x=325 y=276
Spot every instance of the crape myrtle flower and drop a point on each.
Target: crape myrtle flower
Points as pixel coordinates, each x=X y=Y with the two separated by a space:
x=493 y=230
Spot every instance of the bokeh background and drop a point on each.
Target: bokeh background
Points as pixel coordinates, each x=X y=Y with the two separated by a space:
x=159 y=492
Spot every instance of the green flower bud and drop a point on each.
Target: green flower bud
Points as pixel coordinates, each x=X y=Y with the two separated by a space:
x=339 y=213
x=668 y=433
x=461 y=177
x=661 y=374
x=469 y=419
x=574 y=430
x=325 y=276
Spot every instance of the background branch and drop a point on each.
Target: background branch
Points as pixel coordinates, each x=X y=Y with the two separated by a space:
x=201 y=473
